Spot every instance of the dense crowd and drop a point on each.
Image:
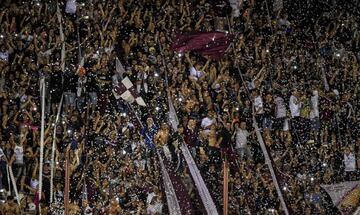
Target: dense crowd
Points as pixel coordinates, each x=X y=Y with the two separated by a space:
x=296 y=74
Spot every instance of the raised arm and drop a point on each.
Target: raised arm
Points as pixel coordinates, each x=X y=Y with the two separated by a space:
x=189 y=60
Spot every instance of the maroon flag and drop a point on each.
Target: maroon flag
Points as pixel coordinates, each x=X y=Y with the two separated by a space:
x=210 y=44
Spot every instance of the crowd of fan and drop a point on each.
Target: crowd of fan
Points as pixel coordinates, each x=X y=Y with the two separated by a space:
x=298 y=79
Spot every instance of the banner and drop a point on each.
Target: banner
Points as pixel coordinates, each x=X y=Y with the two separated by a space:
x=204 y=193
x=345 y=195
x=62 y=38
x=172 y=201
x=174 y=121
x=120 y=71
x=209 y=44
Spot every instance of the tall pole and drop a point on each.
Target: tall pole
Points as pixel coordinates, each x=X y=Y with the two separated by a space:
x=261 y=141
x=226 y=186
x=269 y=18
x=53 y=149
x=67 y=182
x=42 y=94
x=172 y=200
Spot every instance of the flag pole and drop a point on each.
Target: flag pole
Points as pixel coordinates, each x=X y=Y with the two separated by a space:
x=271 y=168
x=260 y=140
x=42 y=96
x=226 y=186
x=53 y=148
x=13 y=181
x=269 y=18
x=196 y=175
x=172 y=200
x=67 y=186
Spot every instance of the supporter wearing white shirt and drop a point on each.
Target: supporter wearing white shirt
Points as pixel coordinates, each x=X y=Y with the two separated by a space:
x=155 y=207
x=196 y=72
x=280 y=114
x=294 y=105
x=4 y=56
x=19 y=155
x=258 y=102
x=70 y=6
x=280 y=107
x=150 y=197
x=5 y=51
x=258 y=107
x=241 y=139
x=208 y=121
x=349 y=161
x=314 y=113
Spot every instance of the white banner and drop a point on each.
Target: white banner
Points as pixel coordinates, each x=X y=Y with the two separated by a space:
x=53 y=149
x=13 y=183
x=172 y=201
x=199 y=182
x=62 y=38
x=345 y=194
x=174 y=121
x=120 y=71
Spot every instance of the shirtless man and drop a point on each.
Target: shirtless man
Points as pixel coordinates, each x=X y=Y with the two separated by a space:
x=161 y=140
x=114 y=207
x=214 y=143
x=212 y=137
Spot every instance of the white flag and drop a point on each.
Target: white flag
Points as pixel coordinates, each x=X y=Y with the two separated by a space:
x=173 y=119
x=119 y=68
x=344 y=194
x=126 y=90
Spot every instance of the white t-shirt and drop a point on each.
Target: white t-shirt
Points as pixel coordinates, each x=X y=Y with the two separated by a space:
x=235 y=5
x=284 y=22
x=4 y=56
x=280 y=107
x=301 y=176
x=150 y=197
x=294 y=106
x=206 y=122
x=349 y=162
x=195 y=73
x=34 y=183
x=241 y=138
x=1 y=153
x=70 y=6
x=19 y=154
x=154 y=209
x=259 y=105
x=314 y=112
